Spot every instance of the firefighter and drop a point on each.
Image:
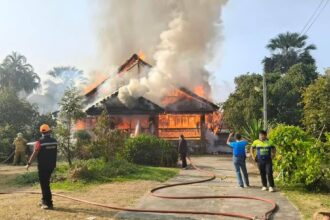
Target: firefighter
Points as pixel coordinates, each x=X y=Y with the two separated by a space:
x=265 y=153
x=45 y=150
x=183 y=150
x=20 y=149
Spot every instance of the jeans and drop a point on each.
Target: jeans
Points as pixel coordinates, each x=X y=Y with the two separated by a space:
x=44 y=179
x=239 y=163
x=266 y=172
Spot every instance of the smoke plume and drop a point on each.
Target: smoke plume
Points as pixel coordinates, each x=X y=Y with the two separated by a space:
x=177 y=36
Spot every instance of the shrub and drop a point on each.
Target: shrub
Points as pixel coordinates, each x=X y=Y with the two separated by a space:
x=100 y=170
x=150 y=150
x=27 y=178
x=300 y=158
x=108 y=142
x=83 y=140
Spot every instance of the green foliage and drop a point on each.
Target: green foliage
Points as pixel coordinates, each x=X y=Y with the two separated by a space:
x=7 y=135
x=38 y=120
x=284 y=97
x=245 y=104
x=150 y=150
x=28 y=178
x=107 y=142
x=70 y=110
x=85 y=172
x=15 y=111
x=17 y=74
x=83 y=142
x=252 y=129
x=300 y=158
x=287 y=50
x=285 y=94
x=316 y=100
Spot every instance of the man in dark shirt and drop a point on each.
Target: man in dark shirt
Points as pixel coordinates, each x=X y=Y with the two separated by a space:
x=239 y=157
x=46 y=152
x=183 y=150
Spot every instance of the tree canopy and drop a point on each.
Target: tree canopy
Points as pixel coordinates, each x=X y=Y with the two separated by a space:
x=316 y=101
x=17 y=74
x=287 y=49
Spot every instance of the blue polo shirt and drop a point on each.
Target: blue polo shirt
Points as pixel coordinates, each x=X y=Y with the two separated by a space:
x=238 y=147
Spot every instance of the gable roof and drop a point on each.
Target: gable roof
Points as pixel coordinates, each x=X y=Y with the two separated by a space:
x=183 y=100
x=133 y=61
x=113 y=105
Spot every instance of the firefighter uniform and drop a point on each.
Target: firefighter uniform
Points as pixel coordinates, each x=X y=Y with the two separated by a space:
x=47 y=155
x=20 y=149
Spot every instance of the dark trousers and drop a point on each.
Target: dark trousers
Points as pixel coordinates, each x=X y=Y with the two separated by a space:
x=44 y=179
x=240 y=165
x=183 y=159
x=266 y=172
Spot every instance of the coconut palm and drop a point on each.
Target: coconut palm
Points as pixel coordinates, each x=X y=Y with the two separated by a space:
x=17 y=74
x=288 y=49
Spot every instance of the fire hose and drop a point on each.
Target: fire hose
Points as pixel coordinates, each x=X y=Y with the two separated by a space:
x=211 y=176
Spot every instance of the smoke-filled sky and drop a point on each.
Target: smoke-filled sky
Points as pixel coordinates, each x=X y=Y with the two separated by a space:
x=61 y=33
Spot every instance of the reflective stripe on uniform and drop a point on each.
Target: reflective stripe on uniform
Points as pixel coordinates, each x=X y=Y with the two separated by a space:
x=47 y=144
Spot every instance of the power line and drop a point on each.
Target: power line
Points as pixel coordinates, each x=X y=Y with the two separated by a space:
x=314 y=17
x=311 y=17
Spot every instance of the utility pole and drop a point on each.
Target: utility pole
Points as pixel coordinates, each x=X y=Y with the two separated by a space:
x=264 y=92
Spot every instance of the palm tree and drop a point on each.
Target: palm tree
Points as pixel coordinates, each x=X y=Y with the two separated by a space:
x=17 y=74
x=287 y=49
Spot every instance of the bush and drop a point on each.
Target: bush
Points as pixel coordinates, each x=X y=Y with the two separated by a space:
x=83 y=140
x=300 y=158
x=108 y=142
x=27 y=178
x=100 y=170
x=150 y=150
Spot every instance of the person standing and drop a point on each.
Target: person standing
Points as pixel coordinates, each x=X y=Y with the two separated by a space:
x=239 y=157
x=20 y=149
x=183 y=150
x=45 y=151
x=265 y=153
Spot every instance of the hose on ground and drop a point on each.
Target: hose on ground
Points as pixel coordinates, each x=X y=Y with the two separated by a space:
x=210 y=176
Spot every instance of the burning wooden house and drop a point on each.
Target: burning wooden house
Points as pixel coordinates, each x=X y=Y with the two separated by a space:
x=181 y=111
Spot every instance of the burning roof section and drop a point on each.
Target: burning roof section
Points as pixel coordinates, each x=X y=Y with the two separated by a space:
x=133 y=61
x=114 y=106
x=180 y=100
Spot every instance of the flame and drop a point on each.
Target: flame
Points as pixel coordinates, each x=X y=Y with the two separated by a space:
x=95 y=83
x=171 y=126
x=142 y=55
x=200 y=91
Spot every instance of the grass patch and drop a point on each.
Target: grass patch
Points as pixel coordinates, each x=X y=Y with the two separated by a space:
x=90 y=172
x=307 y=202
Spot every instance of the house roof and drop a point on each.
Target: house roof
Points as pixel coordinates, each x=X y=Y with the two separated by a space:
x=113 y=105
x=185 y=102
x=133 y=61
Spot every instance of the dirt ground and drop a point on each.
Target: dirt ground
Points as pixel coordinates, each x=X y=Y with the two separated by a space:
x=25 y=206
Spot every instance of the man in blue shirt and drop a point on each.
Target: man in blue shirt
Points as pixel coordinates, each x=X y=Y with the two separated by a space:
x=239 y=157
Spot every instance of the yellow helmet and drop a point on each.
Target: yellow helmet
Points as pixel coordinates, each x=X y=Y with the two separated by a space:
x=44 y=128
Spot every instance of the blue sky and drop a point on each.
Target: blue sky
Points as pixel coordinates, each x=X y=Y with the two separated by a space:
x=54 y=33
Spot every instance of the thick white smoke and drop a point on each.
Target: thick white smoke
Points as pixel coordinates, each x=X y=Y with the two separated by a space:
x=52 y=90
x=179 y=35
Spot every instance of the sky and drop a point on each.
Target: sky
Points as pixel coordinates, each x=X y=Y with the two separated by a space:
x=60 y=33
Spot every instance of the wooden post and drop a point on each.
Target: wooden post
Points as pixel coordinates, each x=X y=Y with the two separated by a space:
x=202 y=130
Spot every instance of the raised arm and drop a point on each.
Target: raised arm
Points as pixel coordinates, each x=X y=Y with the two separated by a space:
x=229 y=137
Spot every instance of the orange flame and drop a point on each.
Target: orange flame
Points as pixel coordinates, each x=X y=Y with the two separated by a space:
x=95 y=83
x=200 y=91
x=142 y=55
